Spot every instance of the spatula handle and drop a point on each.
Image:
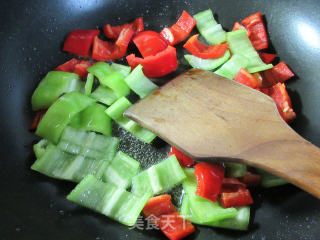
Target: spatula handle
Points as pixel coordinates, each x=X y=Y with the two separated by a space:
x=297 y=161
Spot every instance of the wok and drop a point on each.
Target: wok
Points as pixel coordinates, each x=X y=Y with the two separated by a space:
x=31 y=35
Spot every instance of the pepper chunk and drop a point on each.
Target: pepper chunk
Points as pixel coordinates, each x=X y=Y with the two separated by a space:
x=81 y=68
x=156 y=66
x=37 y=118
x=246 y=78
x=161 y=212
x=231 y=185
x=251 y=179
x=258 y=35
x=278 y=74
x=79 y=42
x=105 y=50
x=281 y=97
x=209 y=180
x=149 y=43
x=184 y=160
x=68 y=66
x=267 y=57
x=236 y=199
x=179 y=31
x=198 y=49
x=158 y=206
x=113 y=32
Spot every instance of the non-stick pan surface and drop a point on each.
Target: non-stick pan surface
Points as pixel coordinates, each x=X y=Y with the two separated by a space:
x=31 y=34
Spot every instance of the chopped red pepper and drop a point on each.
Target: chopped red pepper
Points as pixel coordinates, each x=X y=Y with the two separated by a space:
x=156 y=66
x=246 y=78
x=68 y=66
x=209 y=180
x=113 y=32
x=158 y=206
x=238 y=26
x=161 y=212
x=198 y=49
x=149 y=43
x=251 y=179
x=281 y=97
x=79 y=42
x=184 y=160
x=179 y=31
x=81 y=68
x=236 y=199
x=105 y=50
x=267 y=57
x=258 y=35
x=231 y=185
x=175 y=227
x=278 y=74
x=37 y=118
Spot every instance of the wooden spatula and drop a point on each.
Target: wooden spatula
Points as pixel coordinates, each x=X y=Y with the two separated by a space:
x=211 y=118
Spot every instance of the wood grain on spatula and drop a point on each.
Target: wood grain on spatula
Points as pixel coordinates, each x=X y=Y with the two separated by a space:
x=211 y=118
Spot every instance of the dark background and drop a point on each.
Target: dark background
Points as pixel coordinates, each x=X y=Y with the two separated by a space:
x=34 y=207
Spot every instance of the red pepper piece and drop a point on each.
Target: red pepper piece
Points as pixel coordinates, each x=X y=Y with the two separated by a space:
x=198 y=49
x=68 y=66
x=281 y=97
x=258 y=35
x=251 y=179
x=209 y=180
x=238 y=26
x=79 y=42
x=161 y=212
x=246 y=78
x=179 y=31
x=175 y=227
x=278 y=74
x=156 y=66
x=184 y=160
x=113 y=32
x=236 y=199
x=149 y=43
x=105 y=50
x=81 y=68
x=37 y=118
x=158 y=206
x=231 y=185
x=267 y=57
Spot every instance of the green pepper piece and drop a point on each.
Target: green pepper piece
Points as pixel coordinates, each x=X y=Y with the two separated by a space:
x=93 y=118
x=269 y=180
x=40 y=147
x=239 y=43
x=139 y=83
x=124 y=70
x=54 y=84
x=109 y=78
x=209 y=28
x=89 y=84
x=235 y=169
x=116 y=110
x=207 y=64
x=60 y=113
x=104 y=95
x=239 y=222
x=231 y=68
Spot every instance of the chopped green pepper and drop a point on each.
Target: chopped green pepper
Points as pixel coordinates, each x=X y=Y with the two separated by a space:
x=60 y=113
x=93 y=118
x=139 y=83
x=239 y=43
x=54 y=84
x=110 y=78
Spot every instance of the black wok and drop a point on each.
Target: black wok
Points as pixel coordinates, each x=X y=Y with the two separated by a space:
x=31 y=33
